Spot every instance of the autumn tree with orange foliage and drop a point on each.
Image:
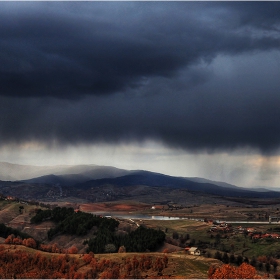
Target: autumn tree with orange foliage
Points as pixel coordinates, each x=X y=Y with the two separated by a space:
x=72 y=250
x=226 y=271
x=87 y=258
x=29 y=242
x=17 y=241
x=45 y=247
x=10 y=239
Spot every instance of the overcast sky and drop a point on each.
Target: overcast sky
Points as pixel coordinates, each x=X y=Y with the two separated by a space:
x=182 y=88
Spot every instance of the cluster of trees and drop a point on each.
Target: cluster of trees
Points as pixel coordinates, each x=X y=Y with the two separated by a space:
x=265 y=261
x=53 y=248
x=40 y=216
x=27 y=265
x=28 y=242
x=226 y=258
x=261 y=263
x=80 y=223
x=31 y=243
x=141 y=240
x=71 y=222
x=227 y=271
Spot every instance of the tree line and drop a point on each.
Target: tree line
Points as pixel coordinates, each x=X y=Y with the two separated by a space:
x=141 y=240
x=31 y=243
x=261 y=262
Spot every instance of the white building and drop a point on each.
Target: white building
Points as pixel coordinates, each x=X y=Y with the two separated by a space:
x=194 y=251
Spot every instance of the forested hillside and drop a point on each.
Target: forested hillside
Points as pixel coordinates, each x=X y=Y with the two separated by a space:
x=78 y=223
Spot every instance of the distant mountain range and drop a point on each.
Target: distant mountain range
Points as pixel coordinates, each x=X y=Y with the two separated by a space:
x=82 y=180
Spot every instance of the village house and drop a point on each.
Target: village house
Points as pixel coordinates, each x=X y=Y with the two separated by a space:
x=193 y=251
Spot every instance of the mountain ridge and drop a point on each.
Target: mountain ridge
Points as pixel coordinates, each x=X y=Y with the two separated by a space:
x=82 y=179
x=152 y=179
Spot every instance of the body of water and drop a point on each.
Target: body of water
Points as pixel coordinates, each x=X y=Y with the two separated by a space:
x=136 y=216
x=166 y=218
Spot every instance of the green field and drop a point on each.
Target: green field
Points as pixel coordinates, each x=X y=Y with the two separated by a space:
x=242 y=244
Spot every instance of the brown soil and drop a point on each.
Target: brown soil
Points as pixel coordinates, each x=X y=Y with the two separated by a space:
x=169 y=248
x=113 y=206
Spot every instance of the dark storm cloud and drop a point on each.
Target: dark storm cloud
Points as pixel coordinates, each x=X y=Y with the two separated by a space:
x=67 y=50
x=195 y=75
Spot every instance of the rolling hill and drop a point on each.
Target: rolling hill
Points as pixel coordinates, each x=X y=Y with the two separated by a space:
x=151 y=179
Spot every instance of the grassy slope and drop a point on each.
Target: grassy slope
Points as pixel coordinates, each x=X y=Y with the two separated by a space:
x=243 y=245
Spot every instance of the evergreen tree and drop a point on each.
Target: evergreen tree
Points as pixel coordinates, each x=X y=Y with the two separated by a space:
x=218 y=255
x=232 y=258
x=239 y=260
x=225 y=258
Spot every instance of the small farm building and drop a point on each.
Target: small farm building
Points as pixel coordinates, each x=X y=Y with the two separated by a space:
x=194 y=251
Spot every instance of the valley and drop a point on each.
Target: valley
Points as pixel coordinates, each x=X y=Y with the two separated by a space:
x=192 y=214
